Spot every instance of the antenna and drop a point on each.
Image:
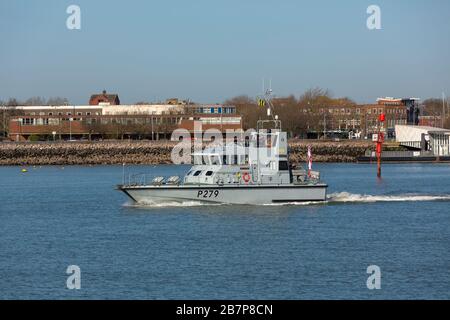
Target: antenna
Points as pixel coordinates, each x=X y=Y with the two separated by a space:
x=265 y=100
x=443 y=109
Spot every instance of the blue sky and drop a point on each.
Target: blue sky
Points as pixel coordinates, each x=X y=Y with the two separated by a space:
x=209 y=51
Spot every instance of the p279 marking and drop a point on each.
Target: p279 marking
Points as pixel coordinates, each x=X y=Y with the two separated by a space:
x=207 y=193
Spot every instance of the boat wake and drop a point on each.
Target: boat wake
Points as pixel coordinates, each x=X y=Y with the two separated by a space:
x=349 y=198
x=168 y=204
x=346 y=197
x=333 y=198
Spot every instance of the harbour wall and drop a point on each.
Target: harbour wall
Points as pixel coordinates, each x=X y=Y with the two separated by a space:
x=148 y=152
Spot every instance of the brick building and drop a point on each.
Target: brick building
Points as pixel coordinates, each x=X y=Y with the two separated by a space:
x=430 y=121
x=411 y=105
x=104 y=98
x=356 y=119
x=105 y=121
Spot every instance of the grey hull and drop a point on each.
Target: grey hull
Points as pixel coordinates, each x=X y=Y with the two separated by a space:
x=227 y=194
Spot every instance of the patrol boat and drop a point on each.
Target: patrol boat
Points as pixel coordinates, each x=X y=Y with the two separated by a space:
x=255 y=172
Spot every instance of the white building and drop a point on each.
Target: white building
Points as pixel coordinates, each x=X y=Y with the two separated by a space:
x=145 y=109
x=436 y=140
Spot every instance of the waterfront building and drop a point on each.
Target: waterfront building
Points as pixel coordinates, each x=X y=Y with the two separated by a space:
x=434 y=140
x=104 y=99
x=115 y=121
x=430 y=121
x=411 y=105
x=359 y=120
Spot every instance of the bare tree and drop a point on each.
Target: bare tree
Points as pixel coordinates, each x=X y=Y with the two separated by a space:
x=57 y=101
x=432 y=107
x=248 y=109
x=6 y=113
x=12 y=102
x=34 y=101
x=315 y=96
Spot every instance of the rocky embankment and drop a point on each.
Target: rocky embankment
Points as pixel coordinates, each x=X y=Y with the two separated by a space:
x=78 y=153
x=145 y=152
x=324 y=151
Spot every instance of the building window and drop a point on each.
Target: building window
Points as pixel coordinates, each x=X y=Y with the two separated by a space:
x=53 y=121
x=283 y=165
x=27 y=121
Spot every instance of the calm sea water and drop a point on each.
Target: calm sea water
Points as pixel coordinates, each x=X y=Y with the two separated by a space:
x=53 y=217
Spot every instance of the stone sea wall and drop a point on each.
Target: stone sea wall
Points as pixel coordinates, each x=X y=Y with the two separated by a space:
x=345 y=151
x=146 y=152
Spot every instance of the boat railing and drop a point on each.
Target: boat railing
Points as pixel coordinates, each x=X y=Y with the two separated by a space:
x=301 y=176
x=145 y=179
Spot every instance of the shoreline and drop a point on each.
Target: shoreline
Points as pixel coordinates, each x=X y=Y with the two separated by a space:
x=153 y=153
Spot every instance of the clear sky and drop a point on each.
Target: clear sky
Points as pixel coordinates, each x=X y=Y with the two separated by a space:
x=211 y=50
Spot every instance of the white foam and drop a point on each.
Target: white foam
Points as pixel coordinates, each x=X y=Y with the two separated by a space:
x=346 y=197
x=154 y=204
x=305 y=203
x=337 y=197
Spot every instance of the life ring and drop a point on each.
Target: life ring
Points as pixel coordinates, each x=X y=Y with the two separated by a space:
x=246 y=177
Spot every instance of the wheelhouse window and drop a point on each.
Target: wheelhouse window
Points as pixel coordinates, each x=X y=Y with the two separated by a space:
x=283 y=165
x=197 y=173
x=209 y=173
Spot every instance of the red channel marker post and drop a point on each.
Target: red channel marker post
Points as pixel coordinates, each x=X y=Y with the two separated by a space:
x=380 y=140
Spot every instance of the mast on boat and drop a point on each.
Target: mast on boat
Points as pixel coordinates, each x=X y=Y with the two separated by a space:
x=266 y=101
